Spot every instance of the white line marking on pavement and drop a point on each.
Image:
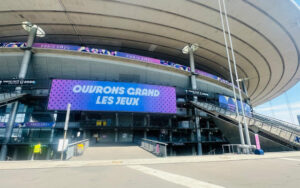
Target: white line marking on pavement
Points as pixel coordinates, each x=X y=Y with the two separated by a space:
x=290 y=159
x=174 y=178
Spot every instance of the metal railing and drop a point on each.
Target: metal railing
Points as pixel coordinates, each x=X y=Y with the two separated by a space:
x=7 y=97
x=286 y=133
x=238 y=148
x=276 y=121
x=155 y=147
x=76 y=148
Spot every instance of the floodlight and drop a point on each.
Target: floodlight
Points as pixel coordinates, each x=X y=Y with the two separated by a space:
x=28 y=26
x=192 y=47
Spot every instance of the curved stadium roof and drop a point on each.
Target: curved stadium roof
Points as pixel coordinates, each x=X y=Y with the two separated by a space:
x=265 y=33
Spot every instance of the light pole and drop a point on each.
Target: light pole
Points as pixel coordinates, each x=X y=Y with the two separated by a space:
x=190 y=49
x=34 y=31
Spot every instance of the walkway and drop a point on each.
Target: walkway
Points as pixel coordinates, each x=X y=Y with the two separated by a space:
x=274 y=170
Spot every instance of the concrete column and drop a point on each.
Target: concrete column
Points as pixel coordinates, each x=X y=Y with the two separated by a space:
x=15 y=155
x=145 y=121
x=192 y=136
x=117 y=125
x=145 y=134
x=131 y=119
x=207 y=124
x=194 y=150
x=116 y=136
x=195 y=98
x=198 y=135
x=148 y=120
x=84 y=136
x=30 y=154
x=170 y=122
x=117 y=119
x=51 y=136
x=9 y=130
x=209 y=132
x=193 y=76
x=171 y=140
x=48 y=156
x=22 y=75
x=171 y=150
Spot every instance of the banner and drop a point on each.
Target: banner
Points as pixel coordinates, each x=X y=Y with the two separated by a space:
x=17 y=82
x=228 y=103
x=85 y=49
x=111 y=96
x=30 y=125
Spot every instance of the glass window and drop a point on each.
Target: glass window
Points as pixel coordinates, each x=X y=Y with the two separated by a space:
x=20 y=118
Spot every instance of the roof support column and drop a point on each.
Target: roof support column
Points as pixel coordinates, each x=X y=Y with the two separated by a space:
x=191 y=50
x=237 y=78
x=22 y=75
x=231 y=77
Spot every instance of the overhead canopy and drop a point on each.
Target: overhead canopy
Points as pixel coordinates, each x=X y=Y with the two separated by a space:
x=265 y=33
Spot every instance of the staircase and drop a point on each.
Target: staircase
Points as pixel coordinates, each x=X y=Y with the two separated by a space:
x=279 y=131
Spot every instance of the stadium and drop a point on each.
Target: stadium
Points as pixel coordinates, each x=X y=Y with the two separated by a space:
x=183 y=75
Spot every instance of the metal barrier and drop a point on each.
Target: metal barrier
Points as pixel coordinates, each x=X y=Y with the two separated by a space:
x=288 y=133
x=155 y=147
x=76 y=148
x=238 y=148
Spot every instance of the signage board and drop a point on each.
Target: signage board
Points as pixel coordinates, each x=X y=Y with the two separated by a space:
x=30 y=125
x=196 y=93
x=17 y=82
x=61 y=144
x=111 y=96
x=229 y=104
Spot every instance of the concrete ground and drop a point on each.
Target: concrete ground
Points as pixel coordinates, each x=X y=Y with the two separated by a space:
x=271 y=170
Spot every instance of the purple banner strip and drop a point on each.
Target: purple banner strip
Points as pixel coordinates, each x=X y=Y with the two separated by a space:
x=113 y=53
x=30 y=125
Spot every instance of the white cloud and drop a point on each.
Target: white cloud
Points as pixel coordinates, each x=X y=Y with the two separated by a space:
x=293 y=106
x=281 y=112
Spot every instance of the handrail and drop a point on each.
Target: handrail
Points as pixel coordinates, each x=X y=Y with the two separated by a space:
x=282 y=132
x=297 y=127
x=78 y=142
x=72 y=150
x=157 y=142
x=293 y=127
x=155 y=147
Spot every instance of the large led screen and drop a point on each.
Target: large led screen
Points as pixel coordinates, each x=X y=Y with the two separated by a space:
x=111 y=96
x=229 y=104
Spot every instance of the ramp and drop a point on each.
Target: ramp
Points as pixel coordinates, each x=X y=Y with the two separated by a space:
x=269 y=129
x=114 y=152
x=6 y=98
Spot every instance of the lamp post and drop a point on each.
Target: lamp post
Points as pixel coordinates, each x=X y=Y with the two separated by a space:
x=190 y=49
x=34 y=31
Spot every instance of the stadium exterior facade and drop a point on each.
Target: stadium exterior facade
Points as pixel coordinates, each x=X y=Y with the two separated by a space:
x=135 y=48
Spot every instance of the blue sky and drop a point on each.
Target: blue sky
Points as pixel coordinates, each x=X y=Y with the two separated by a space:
x=278 y=107
x=287 y=106
x=297 y=2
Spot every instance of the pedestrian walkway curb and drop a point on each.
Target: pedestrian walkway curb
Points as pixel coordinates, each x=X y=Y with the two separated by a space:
x=9 y=165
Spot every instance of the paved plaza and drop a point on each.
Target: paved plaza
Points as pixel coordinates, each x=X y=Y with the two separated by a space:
x=270 y=170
